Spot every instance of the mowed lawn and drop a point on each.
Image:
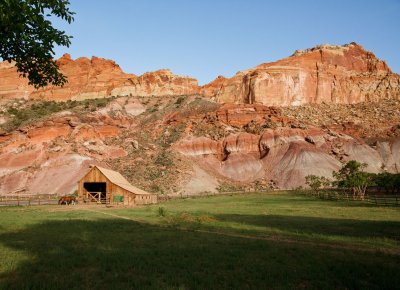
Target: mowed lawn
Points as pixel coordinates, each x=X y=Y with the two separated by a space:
x=253 y=241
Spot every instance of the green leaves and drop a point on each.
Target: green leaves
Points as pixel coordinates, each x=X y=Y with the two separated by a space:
x=352 y=176
x=28 y=38
x=317 y=182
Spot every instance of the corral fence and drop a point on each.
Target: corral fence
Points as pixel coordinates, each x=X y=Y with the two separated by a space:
x=373 y=197
x=29 y=199
x=384 y=200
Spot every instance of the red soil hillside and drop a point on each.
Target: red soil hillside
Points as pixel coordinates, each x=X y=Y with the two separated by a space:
x=190 y=144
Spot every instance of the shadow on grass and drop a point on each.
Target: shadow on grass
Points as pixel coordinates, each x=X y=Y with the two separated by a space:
x=320 y=226
x=120 y=254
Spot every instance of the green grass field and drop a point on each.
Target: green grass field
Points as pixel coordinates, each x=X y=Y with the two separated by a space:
x=254 y=241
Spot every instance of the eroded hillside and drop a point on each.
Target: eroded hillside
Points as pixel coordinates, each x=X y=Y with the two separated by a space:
x=188 y=144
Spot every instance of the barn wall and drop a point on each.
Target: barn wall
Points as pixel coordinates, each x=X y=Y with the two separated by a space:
x=94 y=175
x=129 y=197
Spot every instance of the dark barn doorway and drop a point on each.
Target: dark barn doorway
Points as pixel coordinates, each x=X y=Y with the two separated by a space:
x=96 y=191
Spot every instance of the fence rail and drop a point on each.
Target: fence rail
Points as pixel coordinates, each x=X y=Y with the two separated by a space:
x=24 y=199
x=376 y=198
x=384 y=200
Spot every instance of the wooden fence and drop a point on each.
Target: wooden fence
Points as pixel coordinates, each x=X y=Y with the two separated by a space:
x=384 y=200
x=28 y=199
x=376 y=198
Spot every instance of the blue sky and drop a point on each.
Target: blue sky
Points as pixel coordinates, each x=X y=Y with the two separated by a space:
x=204 y=39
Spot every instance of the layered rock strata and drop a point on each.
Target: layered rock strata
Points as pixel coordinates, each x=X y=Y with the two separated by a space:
x=95 y=78
x=325 y=74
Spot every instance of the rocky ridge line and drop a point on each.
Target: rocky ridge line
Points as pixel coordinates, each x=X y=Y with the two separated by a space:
x=324 y=74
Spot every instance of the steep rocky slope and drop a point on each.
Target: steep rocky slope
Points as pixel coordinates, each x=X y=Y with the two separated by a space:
x=189 y=144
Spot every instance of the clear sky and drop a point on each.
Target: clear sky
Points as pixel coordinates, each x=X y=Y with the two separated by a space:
x=207 y=38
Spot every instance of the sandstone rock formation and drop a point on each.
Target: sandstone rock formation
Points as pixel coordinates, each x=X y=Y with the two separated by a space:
x=95 y=78
x=325 y=74
x=188 y=143
x=332 y=74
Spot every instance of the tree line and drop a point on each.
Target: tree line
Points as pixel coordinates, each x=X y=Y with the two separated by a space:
x=355 y=181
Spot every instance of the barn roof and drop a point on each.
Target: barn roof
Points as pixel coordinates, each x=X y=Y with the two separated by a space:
x=116 y=178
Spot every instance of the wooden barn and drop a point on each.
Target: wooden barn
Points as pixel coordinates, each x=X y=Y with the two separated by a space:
x=103 y=185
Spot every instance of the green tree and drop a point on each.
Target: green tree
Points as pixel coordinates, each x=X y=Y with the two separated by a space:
x=28 y=38
x=317 y=182
x=352 y=177
x=388 y=181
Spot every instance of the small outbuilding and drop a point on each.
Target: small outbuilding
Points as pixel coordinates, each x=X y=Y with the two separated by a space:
x=103 y=185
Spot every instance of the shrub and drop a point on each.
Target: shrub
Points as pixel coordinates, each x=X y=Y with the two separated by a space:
x=164 y=159
x=317 y=182
x=180 y=100
x=162 y=212
x=43 y=109
x=157 y=189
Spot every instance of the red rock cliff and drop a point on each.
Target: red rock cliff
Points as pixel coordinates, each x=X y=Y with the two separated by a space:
x=95 y=78
x=331 y=74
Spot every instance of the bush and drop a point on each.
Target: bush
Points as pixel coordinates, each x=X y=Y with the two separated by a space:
x=164 y=159
x=157 y=189
x=317 y=182
x=162 y=212
x=42 y=109
x=180 y=100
